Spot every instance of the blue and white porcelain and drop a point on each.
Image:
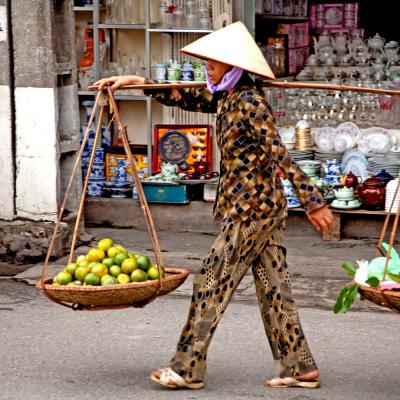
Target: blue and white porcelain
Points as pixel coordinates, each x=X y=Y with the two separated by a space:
x=120 y=170
x=95 y=187
x=333 y=180
x=293 y=202
x=332 y=167
x=288 y=188
x=105 y=130
x=99 y=156
x=97 y=171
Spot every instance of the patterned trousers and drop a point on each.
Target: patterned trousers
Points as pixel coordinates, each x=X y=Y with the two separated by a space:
x=240 y=245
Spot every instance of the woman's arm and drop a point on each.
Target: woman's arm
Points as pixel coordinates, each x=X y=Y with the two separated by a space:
x=200 y=100
x=189 y=99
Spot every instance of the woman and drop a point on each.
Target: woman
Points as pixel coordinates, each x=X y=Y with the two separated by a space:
x=251 y=206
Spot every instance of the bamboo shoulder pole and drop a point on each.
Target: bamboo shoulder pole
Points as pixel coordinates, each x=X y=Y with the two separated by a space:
x=272 y=84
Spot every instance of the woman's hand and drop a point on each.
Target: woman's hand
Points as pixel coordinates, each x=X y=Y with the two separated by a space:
x=117 y=82
x=322 y=219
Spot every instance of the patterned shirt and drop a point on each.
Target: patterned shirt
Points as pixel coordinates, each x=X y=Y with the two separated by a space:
x=251 y=149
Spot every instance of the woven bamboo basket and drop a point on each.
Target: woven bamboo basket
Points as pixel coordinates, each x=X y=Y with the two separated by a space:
x=136 y=294
x=385 y=298
x=116 y=295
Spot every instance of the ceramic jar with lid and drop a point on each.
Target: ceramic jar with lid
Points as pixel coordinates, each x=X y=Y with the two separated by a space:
x=384 y=176
x=372 y=193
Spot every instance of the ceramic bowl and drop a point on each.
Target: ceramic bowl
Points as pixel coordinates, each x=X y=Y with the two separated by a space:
x=290 y=145
x=293 y=202
x=287 y=133
x=332 y=180
x=344 y=196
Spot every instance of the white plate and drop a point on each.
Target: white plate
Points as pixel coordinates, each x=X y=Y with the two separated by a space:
x=343 y=141
x=354 y=153
x=324 y=138
x=350 y=128
x=376 y=139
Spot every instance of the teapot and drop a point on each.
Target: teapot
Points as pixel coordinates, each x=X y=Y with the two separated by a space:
x=384 y=176
x=326 y=53
x=392 y=51
x=355 y=41
x=339 y=43
x=378 y=64
x=351 y=180
x=372 y=193
x=344 y=193
x=325 y=41
x=376 y=43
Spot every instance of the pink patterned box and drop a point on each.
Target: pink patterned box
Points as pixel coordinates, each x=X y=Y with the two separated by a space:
x=297 y=34
x=334 y=15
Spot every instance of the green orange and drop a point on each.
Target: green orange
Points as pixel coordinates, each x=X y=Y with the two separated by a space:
x=123 y=278
x=120 y=258
x=91 y=279
x=143 y=262
x=138 y=276
x=115 y=270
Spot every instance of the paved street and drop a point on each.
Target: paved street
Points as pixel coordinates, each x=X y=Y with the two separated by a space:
x=54 y=353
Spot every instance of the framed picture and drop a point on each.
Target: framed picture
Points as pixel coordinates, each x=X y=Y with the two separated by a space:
x=277 y=54
x=182 y=145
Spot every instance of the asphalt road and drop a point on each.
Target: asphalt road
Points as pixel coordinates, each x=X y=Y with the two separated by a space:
x=48 y=352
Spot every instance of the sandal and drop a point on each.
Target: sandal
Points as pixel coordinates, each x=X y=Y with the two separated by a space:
x=171 y=379
x=291 y=382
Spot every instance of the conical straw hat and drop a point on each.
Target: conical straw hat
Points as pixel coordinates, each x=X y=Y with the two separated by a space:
x=231 y=45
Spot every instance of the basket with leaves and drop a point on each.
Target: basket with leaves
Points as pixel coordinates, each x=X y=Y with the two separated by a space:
x=377 y=280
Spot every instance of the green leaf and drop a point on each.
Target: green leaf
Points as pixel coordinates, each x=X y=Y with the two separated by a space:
x=351 y=295
x=350 y=269
x=339 y=305
x=373 y=281
x=346 y=298
x=394 y=277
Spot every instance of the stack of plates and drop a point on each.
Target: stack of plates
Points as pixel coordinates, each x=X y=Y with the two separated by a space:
x=303 y=138
x=389 y=195
x=327 y=155
x=389 y=162
x=302 y=154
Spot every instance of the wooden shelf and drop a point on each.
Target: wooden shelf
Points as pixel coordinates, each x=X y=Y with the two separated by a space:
x=122 y=26
x=284 y=17
x=360 y=211
x=176 y=30
x=83 y=8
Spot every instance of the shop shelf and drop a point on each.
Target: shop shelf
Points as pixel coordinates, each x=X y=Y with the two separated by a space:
x=176 y=30
x=122 y=26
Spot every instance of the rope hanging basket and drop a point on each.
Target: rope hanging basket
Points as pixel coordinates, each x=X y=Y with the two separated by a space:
x=134 y=294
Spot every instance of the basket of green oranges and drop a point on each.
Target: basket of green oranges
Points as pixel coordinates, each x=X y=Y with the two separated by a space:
x=110 y=276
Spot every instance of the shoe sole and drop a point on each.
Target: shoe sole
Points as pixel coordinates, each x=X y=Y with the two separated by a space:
x=193 y=386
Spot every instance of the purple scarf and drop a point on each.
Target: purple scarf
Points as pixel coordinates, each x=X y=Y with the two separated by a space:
x=228 y=81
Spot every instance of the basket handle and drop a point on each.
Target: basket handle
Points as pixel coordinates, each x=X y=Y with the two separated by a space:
x=142 y=198
x=67 y=191
x=392 y=232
